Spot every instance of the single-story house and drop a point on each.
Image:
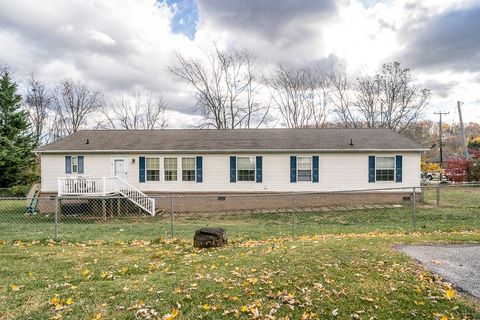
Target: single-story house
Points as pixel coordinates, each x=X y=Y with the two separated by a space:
x=192 y=162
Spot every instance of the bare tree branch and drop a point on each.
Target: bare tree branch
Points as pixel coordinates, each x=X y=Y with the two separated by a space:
x=300 y=95
x=136 y=112
x=74 y=102
x=225 y=88
x=390 y=99
x=38 y=103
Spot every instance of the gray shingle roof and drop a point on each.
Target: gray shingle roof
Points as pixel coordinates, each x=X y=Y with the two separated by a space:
x=185 y=140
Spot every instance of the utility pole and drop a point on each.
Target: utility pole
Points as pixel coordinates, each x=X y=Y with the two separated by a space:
x=440 y=136
x=462 y=128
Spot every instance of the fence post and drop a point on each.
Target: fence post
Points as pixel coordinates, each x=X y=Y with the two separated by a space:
x=55 y=232
x=294 y=222
x=171 y=218
x=414 y=209
x=438 y=194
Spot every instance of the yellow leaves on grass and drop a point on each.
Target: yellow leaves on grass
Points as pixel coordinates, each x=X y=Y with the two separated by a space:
x=172 y=315
x=106 y=275
x=207 y=307
x=439 y=316
x=86 y=273
x=123 y=271
x=59 y=304
x=450 y=294
x=15 y=287
x=97 y=316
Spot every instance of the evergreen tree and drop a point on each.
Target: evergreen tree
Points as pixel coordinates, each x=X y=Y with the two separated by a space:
x=17 y=160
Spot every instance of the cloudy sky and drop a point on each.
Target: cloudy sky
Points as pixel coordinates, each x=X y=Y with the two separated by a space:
x=126 y=45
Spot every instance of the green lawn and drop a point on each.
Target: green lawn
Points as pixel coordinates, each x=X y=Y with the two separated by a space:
x=341 y=265
x=459 y=210
x=359 y=276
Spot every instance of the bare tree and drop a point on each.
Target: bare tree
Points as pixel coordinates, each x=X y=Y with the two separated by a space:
x=136 y=112
x=389 y=99
x=341 y=98
x=73 y=103
x=300 y=95
x=225 y=88
x=38 y=103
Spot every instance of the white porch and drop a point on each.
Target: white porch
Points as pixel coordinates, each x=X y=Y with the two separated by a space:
x=104 y=186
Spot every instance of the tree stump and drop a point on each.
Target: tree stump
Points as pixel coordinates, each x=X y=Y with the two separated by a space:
x=210 y=237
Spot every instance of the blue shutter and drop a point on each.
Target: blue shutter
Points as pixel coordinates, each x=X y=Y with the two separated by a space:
x=259 y=170
x=68 y=164
x=80 y=164
x=233 y=169
x=293 y=169
x=141 y=169
x=398 y=166
x=315 y=165
x=199 y=169
x=371 y=168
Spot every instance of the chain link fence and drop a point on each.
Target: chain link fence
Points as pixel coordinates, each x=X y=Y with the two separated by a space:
x=244 y=216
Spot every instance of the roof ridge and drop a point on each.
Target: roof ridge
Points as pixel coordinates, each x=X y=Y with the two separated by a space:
x=223 y=130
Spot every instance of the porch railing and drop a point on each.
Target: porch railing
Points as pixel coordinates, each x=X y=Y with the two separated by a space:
x=91 y=186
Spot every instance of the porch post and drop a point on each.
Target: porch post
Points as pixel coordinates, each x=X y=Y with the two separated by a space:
x=104 y=190
x=59 y=186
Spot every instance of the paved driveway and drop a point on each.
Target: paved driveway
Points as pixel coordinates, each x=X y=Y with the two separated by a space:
x=457 y=264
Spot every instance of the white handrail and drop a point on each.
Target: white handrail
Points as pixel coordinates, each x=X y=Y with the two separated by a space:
x=81 y=185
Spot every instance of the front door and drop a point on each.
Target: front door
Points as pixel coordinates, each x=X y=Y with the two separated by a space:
x=120 y=168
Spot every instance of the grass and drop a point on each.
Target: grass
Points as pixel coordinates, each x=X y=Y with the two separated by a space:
x=351 y=276
x=459 y=211
x=342 y=265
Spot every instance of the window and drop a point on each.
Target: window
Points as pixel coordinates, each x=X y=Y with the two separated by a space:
x=304 y=168
x=74 y=165
x=170 y=165
x=152 y=165
x=188 y=169
x=385 y=169
x=246 y=168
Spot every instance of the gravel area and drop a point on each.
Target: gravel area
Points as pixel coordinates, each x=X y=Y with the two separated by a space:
x=457 y=264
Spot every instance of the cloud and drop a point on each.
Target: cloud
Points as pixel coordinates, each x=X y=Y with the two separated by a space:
x=114 y=46
x=274 y=19
x=123 y=46
x=448 y=41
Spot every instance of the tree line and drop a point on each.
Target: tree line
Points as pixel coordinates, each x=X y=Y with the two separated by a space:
x=230 y=92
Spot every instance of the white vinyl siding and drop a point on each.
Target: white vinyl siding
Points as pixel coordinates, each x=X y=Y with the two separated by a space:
x=339 y=171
